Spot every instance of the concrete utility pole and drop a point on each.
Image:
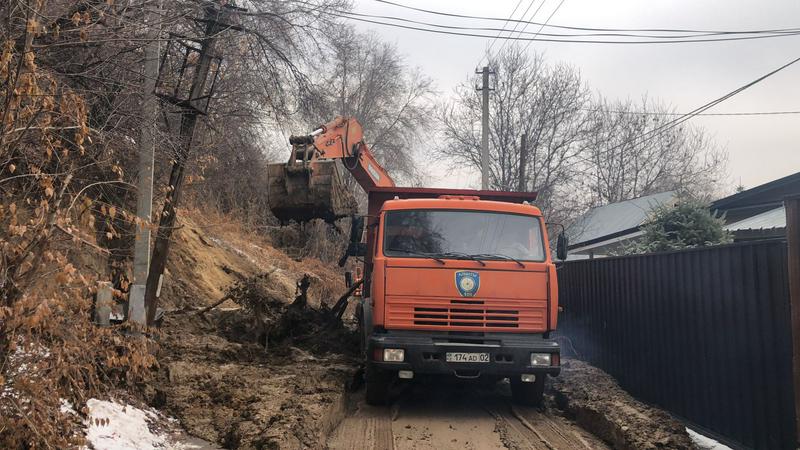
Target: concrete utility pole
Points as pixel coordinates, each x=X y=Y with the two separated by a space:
x=147 y=142
x=523 y=161
x=215 y=20
x=485 y=126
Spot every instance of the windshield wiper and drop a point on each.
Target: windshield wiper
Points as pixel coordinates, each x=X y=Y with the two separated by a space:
x=434 y=256
x=501 y=256
x=459 y=255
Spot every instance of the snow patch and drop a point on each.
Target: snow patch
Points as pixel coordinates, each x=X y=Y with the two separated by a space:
x=125 y=427
x=704 y=442
x=66 y=407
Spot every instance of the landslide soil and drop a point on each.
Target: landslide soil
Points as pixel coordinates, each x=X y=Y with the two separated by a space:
x=596 y=402
x=264 y=369
x=225 y=387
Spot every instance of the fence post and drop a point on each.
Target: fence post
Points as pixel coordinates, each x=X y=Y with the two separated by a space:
x=792 y=205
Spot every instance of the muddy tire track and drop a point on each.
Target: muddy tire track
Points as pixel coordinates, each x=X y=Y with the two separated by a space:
x=456 y=416
x=531 y=428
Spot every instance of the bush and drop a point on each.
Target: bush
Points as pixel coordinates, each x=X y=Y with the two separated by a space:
x=687 y=224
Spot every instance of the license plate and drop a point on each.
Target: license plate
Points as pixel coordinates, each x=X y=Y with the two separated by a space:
x=463 y=357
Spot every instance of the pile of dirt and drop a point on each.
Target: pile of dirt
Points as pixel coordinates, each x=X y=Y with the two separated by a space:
x=267 y=368
x=226 y=387
x=596 y=402
x=267 y=318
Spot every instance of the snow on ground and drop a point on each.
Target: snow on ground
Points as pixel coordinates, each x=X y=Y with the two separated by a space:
x=114 y=426
x=705 y=443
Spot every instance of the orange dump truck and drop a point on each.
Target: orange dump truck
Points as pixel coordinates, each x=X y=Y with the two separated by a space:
x=456 y=282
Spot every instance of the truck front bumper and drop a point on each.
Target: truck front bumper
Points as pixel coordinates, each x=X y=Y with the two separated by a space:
x=425 y=353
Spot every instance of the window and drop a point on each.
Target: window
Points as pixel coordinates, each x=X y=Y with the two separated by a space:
x=443 y=233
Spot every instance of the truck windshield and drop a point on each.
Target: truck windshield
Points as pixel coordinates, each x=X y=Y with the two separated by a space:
x=468 y=234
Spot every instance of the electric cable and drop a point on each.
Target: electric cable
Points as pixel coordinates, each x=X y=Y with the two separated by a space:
x=670 y=30
x=491 y=44
x=544 y=25
x=574 y=41
x=683 y=118
x=526 y=25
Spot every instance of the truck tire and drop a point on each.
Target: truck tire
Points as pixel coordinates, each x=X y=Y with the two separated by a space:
x=528 y=394
x=377 y=385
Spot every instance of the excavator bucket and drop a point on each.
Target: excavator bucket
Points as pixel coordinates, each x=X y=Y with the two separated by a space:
x=308 y=190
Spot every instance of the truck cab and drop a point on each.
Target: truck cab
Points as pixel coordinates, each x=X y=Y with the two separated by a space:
x=458 y=285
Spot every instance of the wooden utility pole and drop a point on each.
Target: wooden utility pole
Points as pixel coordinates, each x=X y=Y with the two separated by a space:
x=147 y=143
x=485 y=126
x=523 y=161
x=216 y=22
x=792 y=205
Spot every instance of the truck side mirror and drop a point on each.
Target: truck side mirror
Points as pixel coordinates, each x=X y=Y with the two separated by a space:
x=561 y=246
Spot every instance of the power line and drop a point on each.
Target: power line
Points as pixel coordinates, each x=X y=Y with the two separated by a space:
x=669 y=30
x=585 y=34
x=491 y=44
x=653 y=113
x=544 y=24
x=697 y=111
x=526 y=25
x=353 y=16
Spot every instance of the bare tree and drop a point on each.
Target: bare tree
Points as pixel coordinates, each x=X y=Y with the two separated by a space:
x=631 y=152
x=544 y=102
x=369 y=80
x=70 y=89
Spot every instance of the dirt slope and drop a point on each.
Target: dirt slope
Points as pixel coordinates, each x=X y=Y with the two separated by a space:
x=217 y=376
x=211 y=252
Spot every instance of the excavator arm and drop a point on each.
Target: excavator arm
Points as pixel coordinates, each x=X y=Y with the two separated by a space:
x=309 y=185
x=343 y=138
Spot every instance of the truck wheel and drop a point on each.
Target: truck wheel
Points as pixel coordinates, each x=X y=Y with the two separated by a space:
x=377 y=382
x=528 y=394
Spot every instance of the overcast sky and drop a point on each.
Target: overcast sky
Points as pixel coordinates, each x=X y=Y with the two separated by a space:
x=761 y=148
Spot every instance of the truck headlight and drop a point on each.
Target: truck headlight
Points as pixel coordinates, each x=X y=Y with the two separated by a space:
x=394 y=354
x=540 y=359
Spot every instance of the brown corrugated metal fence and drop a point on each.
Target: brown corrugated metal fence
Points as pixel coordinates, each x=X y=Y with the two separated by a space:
x=702 y=333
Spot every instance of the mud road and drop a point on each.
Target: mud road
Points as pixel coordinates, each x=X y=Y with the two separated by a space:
x=456 y=416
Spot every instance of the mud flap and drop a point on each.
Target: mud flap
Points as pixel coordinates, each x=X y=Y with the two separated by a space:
x=364 y=315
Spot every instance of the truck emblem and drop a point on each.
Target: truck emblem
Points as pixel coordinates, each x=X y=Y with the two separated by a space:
x=467 y=283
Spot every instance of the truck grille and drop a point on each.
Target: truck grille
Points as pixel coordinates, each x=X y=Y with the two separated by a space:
x=466 y=313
